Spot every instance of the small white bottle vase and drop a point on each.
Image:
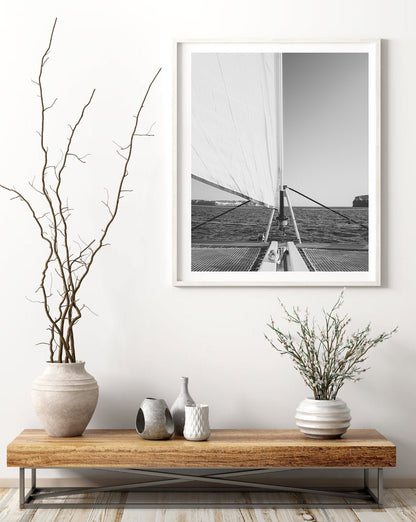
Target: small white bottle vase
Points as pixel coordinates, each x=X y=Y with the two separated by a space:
x=197 y=422
x=178 y=407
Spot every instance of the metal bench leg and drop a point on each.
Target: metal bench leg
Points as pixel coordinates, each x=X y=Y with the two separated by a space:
x=23 y=498
x=22 y=487
x=378 y=494
x=372 y=497
x=33 y=482
x=380 y=489
x=366 y=478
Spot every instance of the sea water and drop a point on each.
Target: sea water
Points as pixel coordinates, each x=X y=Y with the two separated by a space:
x=248 y=223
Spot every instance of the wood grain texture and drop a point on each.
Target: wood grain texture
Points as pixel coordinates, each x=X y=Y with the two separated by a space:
x=225 y=448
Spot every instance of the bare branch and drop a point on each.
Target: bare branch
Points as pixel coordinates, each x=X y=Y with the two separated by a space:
x=120 y=187
x=148 y=133
x=51 y=105
x=120 y=147
x=89 y=309
x=19 y=195
x=32 y=184
x=60 y=161
x=79 y=158
x=106 y=202
x=64 y=270
x=79 y=258
x=121 y=155
x=33 y=300
x=82 y=240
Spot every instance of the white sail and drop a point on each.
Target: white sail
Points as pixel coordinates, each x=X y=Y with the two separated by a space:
x=236 y=123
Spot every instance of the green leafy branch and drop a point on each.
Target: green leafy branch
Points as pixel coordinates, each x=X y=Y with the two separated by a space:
x=325 y=356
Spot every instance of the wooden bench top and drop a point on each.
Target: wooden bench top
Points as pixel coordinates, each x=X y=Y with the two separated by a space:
x=225 y=448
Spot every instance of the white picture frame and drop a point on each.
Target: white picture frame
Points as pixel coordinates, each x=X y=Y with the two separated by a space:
x=183 y=275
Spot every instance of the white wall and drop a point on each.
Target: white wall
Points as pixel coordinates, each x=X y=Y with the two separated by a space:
x=148 y=333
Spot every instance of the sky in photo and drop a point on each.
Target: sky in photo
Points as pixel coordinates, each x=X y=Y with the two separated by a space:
x=325 y=129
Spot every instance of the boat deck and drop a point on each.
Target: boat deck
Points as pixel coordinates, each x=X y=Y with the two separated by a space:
x=222 y=258
x=334 y=258
x=246 y=257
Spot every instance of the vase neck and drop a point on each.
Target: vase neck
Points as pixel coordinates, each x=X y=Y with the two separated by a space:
x=184 y=386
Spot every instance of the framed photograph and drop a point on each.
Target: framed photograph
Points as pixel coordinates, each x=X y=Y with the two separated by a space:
x=277 y=163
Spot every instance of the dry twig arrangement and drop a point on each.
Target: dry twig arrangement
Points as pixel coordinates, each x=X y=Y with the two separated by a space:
x=67 y=264
x=326 y=357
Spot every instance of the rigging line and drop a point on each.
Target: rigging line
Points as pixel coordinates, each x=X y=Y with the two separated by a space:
x=233 y=223
x=328 y=208
x=219 y=215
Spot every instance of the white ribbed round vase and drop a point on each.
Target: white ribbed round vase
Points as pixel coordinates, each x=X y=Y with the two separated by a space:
x=64 y=398
x=323 y=419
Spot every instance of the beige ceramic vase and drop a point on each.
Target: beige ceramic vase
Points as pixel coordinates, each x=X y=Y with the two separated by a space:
x=64 y=398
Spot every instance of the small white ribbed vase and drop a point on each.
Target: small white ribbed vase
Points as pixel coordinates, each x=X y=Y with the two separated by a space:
x=197 y=422
x=323 y=419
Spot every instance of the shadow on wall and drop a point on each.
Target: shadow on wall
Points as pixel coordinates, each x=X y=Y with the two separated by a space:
x=390 y=377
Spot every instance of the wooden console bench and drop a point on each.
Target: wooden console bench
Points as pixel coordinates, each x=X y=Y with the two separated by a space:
x=166 y=464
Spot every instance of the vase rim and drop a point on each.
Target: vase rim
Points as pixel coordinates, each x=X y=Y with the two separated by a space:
x=322 y=400
x=66 y=363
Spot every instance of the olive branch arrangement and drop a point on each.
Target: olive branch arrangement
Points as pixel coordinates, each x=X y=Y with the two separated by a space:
x=67 y=262
x=325 y=356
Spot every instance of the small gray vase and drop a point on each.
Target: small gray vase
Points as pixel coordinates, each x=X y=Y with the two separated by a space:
x=154 y=420
x=178 y=407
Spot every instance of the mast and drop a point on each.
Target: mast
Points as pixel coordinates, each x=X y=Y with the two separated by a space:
x=279 y=108
x=279 y=133
x=279 y=195
x=278 y=89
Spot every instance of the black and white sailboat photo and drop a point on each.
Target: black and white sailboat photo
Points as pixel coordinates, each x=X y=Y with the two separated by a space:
x=280 y=175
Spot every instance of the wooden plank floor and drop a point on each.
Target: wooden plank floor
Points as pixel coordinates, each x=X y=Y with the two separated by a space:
x=400 y=505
